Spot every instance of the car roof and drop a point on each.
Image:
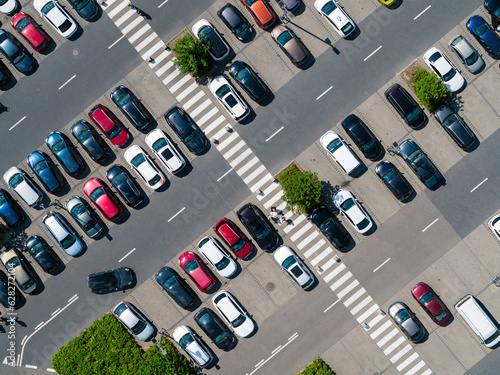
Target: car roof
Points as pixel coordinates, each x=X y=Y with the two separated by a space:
x=228 y=308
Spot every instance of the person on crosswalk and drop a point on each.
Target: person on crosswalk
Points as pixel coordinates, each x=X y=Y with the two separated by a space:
x=133 y=7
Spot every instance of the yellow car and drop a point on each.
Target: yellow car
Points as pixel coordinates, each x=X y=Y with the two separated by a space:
x=387 y=3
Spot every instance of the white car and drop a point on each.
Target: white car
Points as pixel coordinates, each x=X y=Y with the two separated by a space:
x=336 y=16
x=466 y=53
x=133 y=320
x=217 y=256
x=24 y=279
x=165 y=151
x=233 y=314
x=23 y=186
x=352 y=211
x=340 y=152
x=494 y=225
x=192 y=345
x=444 y=69
x=59 y=229
x=54 y=13
x=229 y=98
x=8 y=6
x=140 y=162
x=294 y=267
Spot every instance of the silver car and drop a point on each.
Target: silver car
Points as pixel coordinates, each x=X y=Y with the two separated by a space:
x=406 y=321
x=466 y=53
x=84 y=217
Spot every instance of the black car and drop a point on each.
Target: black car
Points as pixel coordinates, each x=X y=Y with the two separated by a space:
x=419 y=162
x=186 y=129
x=42 y=253
x=176 y=288
x=15 y=53
x=7 y=299
x=45 y=171
x=65 y=153
x=259 y=227
x=215 y=329
x=131 y=107
x=249 y=81
x=110 y=281
x=125 y=185
x=95 y=147
x=394 y=180
x=5 y=75
x=9 y=210
x=362 y=136
x=331 y=228
x=455 y=127
x=406 y=106
x=236 y=22
x=493 y=8
x=87 y=9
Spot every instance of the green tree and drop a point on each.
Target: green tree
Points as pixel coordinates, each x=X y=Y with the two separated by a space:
x=192 y=56
x=429 y=89
x=317 y=367
x=301 y=189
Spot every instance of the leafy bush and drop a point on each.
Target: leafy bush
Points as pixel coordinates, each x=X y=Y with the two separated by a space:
x=192 y=56
x=107 y=348
x=429 y=89
x=317 y=367
x=301 y=189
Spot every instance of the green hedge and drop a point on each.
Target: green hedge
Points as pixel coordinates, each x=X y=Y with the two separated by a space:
x=317 y=367
x=429 y=89
x=301 y=189
x=107 y=348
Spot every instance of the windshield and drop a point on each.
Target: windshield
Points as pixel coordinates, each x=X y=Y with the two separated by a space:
x=16 y=180
x=450 y=120
x=239 y=245
x=36 y=249
x=347 y=204
x=3 y=200
x=84 y=135
x=288 y=262
x=242 y=74
x=58 y=146
x=97 y=193
x=363 y=224
x=154 y=180
x=238 y=321
x=119 y=179
x=159 y=144
x=441 y=316
x=240 y=28
x=389 y=176
x=222 y=264
x=80 y=4
x=414 y=155
x=472 y=58
x=13 y=263
x=451 y=73
x=413 y=114
x=191 y=266
x=48 y=7
x=19 y=56
x=329 y=8
x=368 y=145
x=334 y=145
x=189 y=136
x=169 y=283
x=284 y=38
x=139 y=327
x=67 y=241
x=40 y=166
x=21 y=24
x=402 y=316
x=492 y=338
x=481 y=29
x=347 y=28
x=186 y=340
x=114 y=132
x=123 y=100
x=262 y=234
x=222 y=91
x=138 y=160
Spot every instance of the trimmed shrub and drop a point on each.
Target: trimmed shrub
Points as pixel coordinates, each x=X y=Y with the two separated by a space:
x=192 y=56
x=429 y=89
x=317 y=367
x=301 y=189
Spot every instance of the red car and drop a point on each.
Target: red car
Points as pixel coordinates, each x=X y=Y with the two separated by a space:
x=431 y=303
x=233 y=238
x=262 y=13
x=196 y=270
x=109 y=125
x=103 y=199
x=31 y=31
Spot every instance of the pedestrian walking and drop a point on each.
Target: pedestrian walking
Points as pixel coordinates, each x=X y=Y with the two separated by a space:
x=133 y=7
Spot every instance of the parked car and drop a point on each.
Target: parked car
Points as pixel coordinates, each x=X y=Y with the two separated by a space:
x=215 y=329
x=294 y=267
x=217 y=47
x=340 y=152
x=102 y=197
x=290 y=5
x=261 y=12
x=186 y=129
x=444 y=69
x=93 y=145
x=9 y=211
x=133 y=321
x=235 y=21
x=62 y=233
x=494 y=225
x=141 y=163
x=109 y=125
x=233 y=238
x=387 y=3
x=44 y=169
x=9 y=7
x=233 y=313
x=30 y=31
x=431 y=303
x=16 y=54
x=42 y=253
x=484 y=34
x=197 y=271
x=15 y=265
x=125 y=185
x=87 y=9
x=192 y=344
x=8 y=300
x=456 y=128
x=232 y=102
x=291 y=45
x=493 y=8
x=5 y=74
x=86 y=219
x=259 y=227
x=21 y=183
x=111 y=281
x=331 y=228
x=218 y=257
x=56 y=16
x=466 y=53
x=65 y=153
x=131 y=107
x=336 y=17
x=406 y=321
x=362 y=136
x=165 y=151
x=176 y=288
x=351 y=209
x=249 y=81
x=406 y=106
x=394 y=180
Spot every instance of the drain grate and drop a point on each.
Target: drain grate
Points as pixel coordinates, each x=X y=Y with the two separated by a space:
x=270 y=286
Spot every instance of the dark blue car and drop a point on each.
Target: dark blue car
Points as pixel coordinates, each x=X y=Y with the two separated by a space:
x=186 y=129
x=418 y=161
x=9 y=211
x=42 y=253
x=65 y=153
x=394 y=180
x=87 y=9
x=95 y=147
x=16 y=54
x=42 y=166
x=131 y=107
x=484 y=35
x=125 y=185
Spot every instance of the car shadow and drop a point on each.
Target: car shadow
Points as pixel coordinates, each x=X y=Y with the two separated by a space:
x=50 y=47
x=7 y=86
x=474 y=146
x=268 y=100
x=250 y=117
x=300 y=9
x=396 y=5
x=411 y=197
x=78 y=33
x=122 y=219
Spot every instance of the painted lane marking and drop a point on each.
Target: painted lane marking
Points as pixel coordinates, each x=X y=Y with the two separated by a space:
x=373 y=53
x=333 y=304
x=172 y=218
x=428 y=226
x=224 y=175
x=328 y=89
x=258 y=364
x=17 y=123
x=278 y=348
x=39 y=325
x=68 y=81
x=482 y=182
x=293 y=336
x=55 y=312
x=126 y=255
x=422 y=12
x=120 y=38
x=376 y=269
x=162 y=4
x=290 y=340
x=73 y=298
x=31 y=366
x=276 y=132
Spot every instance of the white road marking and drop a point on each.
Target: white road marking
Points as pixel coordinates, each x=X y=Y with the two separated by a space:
x=328 y=89
x=258 y=364
x=333 y=304
x=51 y=369
x=290 y=340
x=422 y=12
x=293 y=336
x=68 y=81
x=55 y=312
x=278 y=348
x=120 y=38
x=276 y=132
x=388 y=259
x=31 y=366
x=24 y=339
x=373 y=53
x=73 y=298
x=224 y=175
x=17 y=123
x=162 y=4
x=428 y=226
x=482 y=182
x=126 y=255
x=182 y=209
x=38 y=325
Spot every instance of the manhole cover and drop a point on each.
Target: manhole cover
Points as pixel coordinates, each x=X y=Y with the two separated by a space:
x=270 y=286
x=76 y=52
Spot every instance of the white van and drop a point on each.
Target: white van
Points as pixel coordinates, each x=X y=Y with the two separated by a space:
x=478 y=320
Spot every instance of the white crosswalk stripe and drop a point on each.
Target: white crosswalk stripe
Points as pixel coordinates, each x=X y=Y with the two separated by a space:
x=354 y=297
x=382 y=328
x=314 y=248
x=407 y=361
x=400 y=354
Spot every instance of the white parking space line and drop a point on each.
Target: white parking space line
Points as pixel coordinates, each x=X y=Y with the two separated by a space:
x=428 y=226
x=328 y=89
x=333 y=304
x=126 y=255
x=376 y=269
x=17 y=123
x=112 y=44
x=68 y=81
x=31 y=366
x=276 y=132
x=422 y=12
x=50 y=369
x=224 y=175
x=373 y=53
x=277 y=350
x=482 y=182
x=182 y=209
